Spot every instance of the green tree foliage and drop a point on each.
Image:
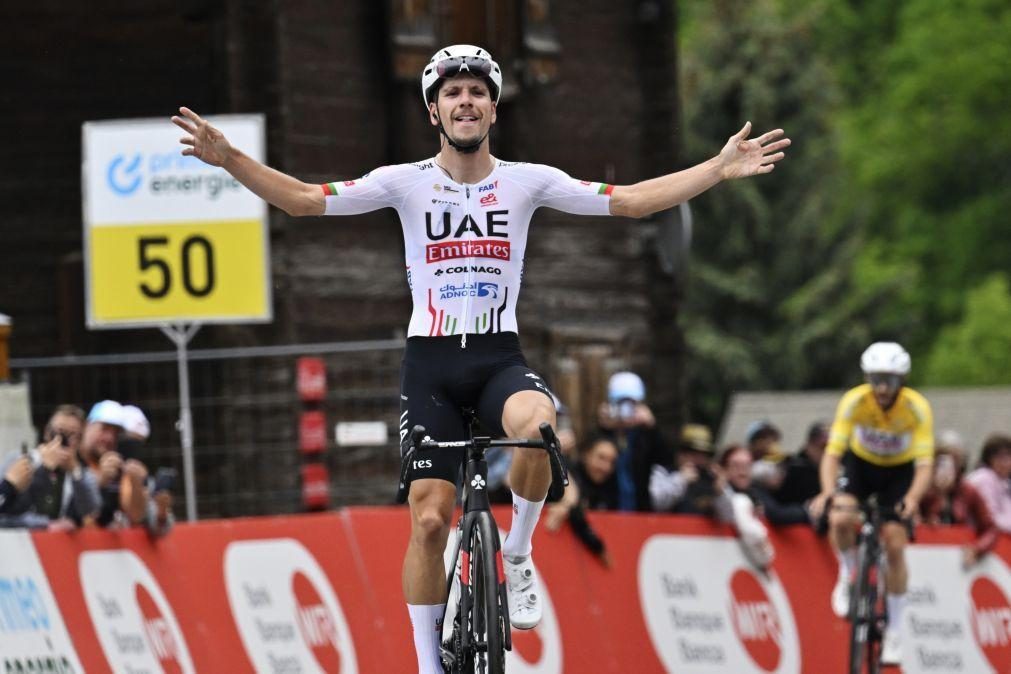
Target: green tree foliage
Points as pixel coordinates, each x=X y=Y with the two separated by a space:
x=977 y=350
x=928 y=148
x=769 y=265
x=890 y=210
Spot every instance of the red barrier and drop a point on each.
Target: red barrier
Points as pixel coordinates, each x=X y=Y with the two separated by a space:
x=322 y=593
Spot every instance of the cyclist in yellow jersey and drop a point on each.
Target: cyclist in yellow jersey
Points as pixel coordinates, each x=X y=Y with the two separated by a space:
x=881 y=442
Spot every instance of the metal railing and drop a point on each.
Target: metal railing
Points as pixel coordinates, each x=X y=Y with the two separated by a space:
x=245 y=411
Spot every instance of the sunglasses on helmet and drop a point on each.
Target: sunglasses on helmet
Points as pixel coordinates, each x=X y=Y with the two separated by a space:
x=476 y=65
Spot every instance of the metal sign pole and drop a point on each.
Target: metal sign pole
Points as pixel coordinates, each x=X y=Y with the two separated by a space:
x=181 y=335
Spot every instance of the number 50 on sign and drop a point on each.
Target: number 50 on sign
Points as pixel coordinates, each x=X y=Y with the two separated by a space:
x=168 y=238
x=200 y=271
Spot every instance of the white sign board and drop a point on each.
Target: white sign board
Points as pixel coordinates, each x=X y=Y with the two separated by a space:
x=33 y=637
x=167 y=237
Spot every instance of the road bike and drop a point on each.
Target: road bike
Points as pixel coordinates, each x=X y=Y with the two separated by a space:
x=868 y=608
x=479 y=635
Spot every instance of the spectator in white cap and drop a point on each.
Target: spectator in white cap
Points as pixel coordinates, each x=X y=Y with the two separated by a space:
x=136 y=431
x=135 y=424
x=628 y=420
x=121 y=483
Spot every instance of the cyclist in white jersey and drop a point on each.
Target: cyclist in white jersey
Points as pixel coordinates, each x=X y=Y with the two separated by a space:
x=465 y=216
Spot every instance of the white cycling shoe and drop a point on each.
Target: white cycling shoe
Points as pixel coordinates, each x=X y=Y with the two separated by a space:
x=841 y=597
x=891 y=649
x=523 y=592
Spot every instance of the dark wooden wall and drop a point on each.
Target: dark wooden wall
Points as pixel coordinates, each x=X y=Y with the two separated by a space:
x=322 y=73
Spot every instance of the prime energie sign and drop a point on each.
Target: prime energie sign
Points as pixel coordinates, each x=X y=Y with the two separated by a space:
x=169 y=239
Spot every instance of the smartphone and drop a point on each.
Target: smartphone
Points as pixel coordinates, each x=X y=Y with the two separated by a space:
x=165 y=479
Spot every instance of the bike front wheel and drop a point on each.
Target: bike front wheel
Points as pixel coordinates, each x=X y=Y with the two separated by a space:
x=865 y=634
x=489 y=615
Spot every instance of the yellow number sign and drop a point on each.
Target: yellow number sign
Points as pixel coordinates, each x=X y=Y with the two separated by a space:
x=201 y=271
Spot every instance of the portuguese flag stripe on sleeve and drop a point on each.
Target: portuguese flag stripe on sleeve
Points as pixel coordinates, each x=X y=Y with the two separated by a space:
x=605 y=189
x=330 y=189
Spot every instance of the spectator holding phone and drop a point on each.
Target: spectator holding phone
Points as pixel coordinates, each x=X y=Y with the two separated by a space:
x=629 y=422
x=50 y=486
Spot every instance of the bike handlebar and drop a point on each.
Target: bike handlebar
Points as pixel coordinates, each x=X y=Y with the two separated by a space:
x=420 y=441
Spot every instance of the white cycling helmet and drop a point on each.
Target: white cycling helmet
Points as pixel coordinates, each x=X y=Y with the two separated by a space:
x=457 y=58
x=886 y=357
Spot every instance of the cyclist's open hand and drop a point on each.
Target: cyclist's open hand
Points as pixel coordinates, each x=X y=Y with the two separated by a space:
x=741 y=157
x=206 y=143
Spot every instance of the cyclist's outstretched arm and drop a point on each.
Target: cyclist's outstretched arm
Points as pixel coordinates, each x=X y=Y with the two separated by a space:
x=739 y=158
x=208 y=144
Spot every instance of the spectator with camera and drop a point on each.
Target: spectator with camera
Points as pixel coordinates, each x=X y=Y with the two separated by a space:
x=136 y=430
x=49 y=487
x=692 y=487
x=629 y=422
x=122 y=481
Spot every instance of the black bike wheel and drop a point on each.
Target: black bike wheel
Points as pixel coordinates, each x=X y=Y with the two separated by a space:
x=487 y=621
x=862 y=602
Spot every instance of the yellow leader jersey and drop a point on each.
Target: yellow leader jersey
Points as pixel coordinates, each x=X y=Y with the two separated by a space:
x=903 y=433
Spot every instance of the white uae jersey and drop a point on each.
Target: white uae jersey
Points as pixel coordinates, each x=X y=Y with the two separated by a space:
x=464 y=244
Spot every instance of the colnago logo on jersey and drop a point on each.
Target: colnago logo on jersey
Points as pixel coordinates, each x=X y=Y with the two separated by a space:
x=883 y=442
x=480 y=289
x=474 y=268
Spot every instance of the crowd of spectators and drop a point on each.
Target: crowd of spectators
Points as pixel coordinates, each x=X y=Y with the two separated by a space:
x=625 y=464
x=85 y=472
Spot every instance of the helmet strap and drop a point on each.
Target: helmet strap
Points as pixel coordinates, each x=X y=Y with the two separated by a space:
x=462 y=149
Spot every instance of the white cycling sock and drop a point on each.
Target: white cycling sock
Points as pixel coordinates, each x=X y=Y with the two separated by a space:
x=427 y=623
x=525 y=516
x=896 y=604
x=847 y=562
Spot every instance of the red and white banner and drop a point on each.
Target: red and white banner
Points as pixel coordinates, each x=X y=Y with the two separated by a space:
x=321 y=593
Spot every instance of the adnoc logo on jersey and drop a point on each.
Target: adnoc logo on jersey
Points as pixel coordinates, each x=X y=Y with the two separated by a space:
x=479 y=289
x=452 y=250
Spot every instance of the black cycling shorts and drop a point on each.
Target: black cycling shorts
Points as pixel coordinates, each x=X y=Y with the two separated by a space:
x=438 y=379
x=863 y=478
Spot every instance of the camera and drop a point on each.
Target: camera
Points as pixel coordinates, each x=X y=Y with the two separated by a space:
x=623 y=409
x=164 y=479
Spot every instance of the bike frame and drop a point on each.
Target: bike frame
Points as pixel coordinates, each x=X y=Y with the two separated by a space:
x=477 y=516
x=868 y=608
